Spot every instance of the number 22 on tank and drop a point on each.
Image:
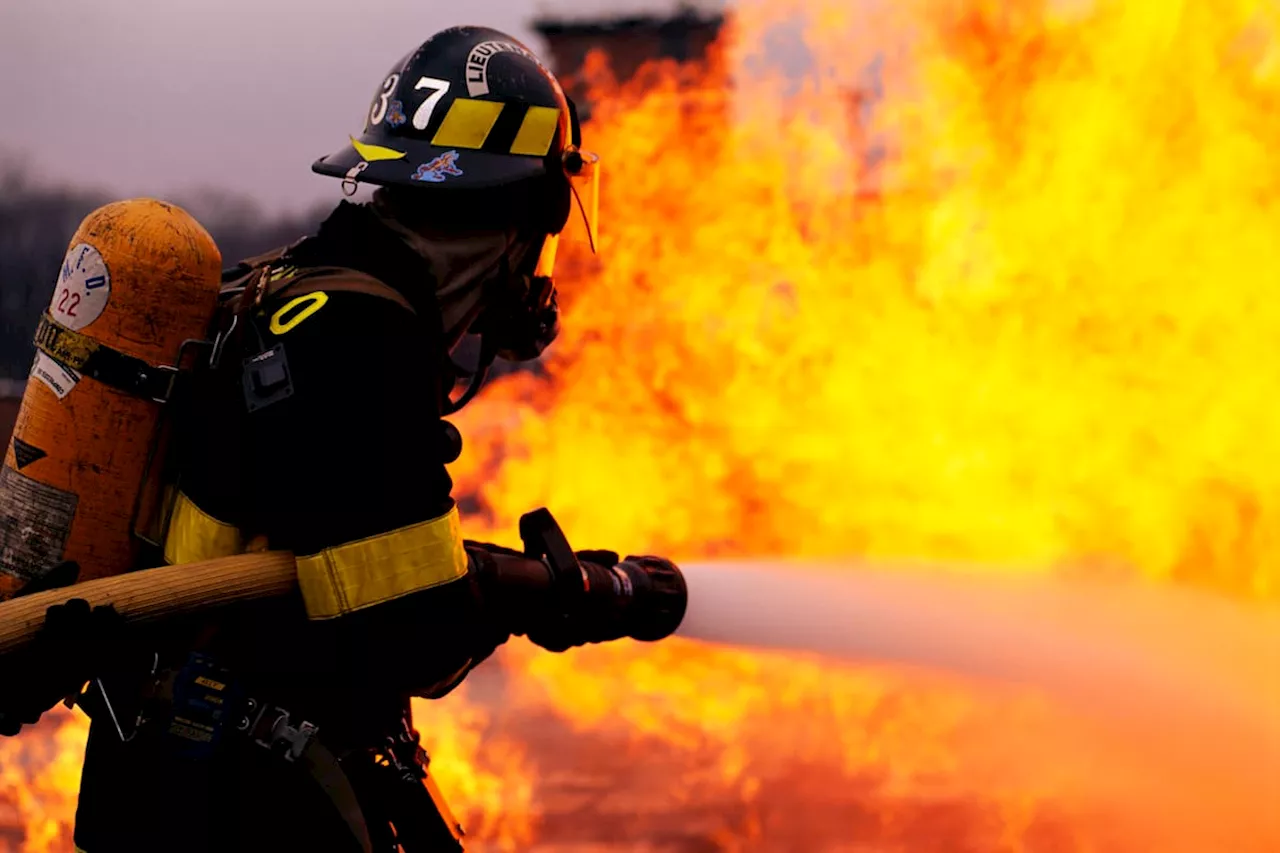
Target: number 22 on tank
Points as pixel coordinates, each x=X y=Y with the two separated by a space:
x=83 y=290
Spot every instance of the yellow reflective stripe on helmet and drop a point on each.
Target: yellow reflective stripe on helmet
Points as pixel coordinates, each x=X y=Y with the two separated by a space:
x=313 y=302
x=374 y=153
x=467 y=124
x=537 y=132
x=371 y=571
x=194 y=535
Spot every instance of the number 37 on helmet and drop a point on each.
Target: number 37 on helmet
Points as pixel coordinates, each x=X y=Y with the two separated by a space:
x=474 y=109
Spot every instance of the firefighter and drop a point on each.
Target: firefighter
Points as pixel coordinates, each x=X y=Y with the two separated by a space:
x=318 y=428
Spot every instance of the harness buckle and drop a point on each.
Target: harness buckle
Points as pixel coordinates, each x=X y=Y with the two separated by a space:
x=271 y=730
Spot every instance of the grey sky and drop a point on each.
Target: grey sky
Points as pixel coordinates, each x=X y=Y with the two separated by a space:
x=158 y=96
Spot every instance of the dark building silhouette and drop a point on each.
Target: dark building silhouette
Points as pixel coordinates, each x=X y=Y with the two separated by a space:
x=628 y=42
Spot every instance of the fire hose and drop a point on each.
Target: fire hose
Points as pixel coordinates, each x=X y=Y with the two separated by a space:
x=640 y=597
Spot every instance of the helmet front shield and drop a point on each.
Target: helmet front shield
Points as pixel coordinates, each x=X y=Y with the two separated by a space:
x=583 y=171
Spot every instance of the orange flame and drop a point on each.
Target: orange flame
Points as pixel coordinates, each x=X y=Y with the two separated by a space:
x=974 y=280
x=484 y=772
x=39 y=777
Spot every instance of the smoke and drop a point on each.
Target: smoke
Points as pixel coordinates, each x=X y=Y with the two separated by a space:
x=1174 y=691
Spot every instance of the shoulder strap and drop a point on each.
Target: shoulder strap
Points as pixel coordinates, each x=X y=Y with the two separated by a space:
x=333 y=280
x=254 y=282
x=235 y=278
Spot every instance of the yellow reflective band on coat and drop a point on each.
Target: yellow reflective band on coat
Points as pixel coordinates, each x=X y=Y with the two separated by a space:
x=194 y=535
x=467 y=124
x=371 y=571
x=537 y=132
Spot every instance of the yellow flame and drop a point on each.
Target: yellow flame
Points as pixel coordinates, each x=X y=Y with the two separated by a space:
x=1041 y=330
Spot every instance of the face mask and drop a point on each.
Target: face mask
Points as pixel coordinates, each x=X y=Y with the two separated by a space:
x=470 y=268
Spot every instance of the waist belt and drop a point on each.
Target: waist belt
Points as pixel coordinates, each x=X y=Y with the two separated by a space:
x=200 y=705
x=272 y=728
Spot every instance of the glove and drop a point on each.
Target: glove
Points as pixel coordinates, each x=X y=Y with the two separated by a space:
x=515 y=590
x=522 y=595
x=595 y=617
x=71 y=647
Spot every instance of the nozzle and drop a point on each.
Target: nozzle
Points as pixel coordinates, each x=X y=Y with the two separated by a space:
x=594 y=598
x=660 y=597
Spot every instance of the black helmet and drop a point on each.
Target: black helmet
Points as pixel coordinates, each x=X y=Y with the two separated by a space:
x=471 y=108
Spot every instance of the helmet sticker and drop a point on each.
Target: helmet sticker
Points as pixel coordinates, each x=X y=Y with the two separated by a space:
x=395 y=114
x=478 y=63
x=438 y=169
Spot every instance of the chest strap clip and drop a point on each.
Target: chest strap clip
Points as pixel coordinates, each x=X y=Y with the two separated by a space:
x=270 y=729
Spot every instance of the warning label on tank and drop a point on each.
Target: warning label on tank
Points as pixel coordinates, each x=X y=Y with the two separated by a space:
x=35 y=520
x=25 y=453
x=59 y=379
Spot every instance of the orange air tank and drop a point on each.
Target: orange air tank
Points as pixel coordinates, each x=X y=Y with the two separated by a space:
x=140 y=278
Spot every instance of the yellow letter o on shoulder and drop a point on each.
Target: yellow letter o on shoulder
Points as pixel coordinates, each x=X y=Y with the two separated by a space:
x=305 y=306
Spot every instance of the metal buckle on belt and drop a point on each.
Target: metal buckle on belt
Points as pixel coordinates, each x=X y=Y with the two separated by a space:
x=270 y=729
x=169 y=386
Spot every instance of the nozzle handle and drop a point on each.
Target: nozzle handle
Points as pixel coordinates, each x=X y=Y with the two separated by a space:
x=544 y=540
